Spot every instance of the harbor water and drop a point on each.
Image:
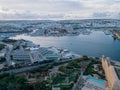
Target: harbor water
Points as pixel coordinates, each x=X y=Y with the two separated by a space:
x=95 y=44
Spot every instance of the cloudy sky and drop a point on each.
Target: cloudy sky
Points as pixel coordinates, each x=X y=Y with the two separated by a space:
x=59 y=9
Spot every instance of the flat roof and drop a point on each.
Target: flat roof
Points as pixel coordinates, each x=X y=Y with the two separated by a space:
x=51 y=55
x=118 y=72
x=93 y=83
x=97 y=81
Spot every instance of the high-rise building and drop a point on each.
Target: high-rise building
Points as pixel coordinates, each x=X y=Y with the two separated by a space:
x=112 y=74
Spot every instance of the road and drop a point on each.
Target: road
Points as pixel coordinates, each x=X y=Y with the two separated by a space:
x=19 y=70
x=23 y=69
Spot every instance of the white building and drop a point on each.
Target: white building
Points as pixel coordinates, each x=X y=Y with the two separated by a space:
x=36 y=56
x=28 y=52
x=21 y=55
x=40 y=54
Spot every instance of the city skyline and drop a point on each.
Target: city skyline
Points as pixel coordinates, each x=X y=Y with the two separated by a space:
x=59 y=9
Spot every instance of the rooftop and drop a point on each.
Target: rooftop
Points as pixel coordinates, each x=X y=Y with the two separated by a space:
x=93 y=83
x=97 y=81
x=52 y=55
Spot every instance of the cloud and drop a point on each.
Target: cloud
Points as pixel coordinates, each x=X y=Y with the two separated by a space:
x=106 y=15
x=101 y=15
x=59 y=9
x=27 y=15
x=5 y=9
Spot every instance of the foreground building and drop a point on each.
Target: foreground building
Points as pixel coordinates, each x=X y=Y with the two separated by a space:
x=112 y=73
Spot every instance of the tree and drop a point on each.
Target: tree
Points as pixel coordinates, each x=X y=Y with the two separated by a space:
x=62 y=68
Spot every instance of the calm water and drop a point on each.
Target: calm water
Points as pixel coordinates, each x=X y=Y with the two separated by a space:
x=95 y=44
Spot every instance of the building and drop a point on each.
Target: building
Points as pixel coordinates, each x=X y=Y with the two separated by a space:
x=21 y=54
x=25 y=51
x=36 y=56
x=41 y=53
x=112 y=74
x=52 y=57
x=89 y=83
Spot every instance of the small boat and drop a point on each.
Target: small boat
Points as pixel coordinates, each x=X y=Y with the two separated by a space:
x=107 y=32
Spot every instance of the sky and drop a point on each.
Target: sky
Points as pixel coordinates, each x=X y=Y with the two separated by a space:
x=59 y=9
